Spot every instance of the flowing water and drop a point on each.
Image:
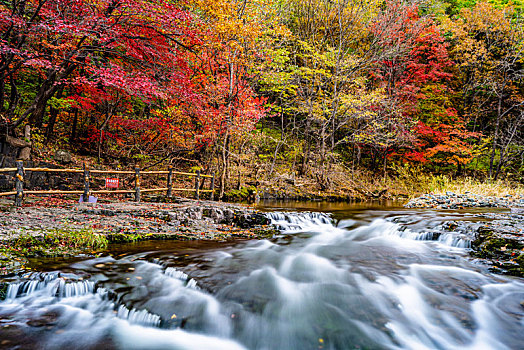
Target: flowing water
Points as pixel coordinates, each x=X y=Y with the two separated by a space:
x=337 y=277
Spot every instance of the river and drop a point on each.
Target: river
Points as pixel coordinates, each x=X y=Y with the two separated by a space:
x=338 y=276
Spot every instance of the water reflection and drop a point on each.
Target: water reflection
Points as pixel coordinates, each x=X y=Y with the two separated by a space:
x=323 y=206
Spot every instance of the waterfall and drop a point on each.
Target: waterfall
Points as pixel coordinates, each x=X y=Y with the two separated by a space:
x=172 y=272
x=73 y=289
x=311 y=221
x=34 y=283
x=141 y=317
x=295 y=222
x=179 y=275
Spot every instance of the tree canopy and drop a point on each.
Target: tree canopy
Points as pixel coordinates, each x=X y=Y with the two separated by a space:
x=300 y=84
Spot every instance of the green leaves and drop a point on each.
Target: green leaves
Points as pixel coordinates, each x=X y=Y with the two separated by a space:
x=61 y=103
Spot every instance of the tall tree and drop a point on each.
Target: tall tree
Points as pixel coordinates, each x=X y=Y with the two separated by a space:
x=488 y=47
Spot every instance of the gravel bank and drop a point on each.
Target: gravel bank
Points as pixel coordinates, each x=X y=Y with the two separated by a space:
x=467 y=200
x=55 y=228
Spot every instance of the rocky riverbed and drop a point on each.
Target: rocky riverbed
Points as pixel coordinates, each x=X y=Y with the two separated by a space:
x=497 y=238
x=43 y=230
x=186 y=219
x=452 y=200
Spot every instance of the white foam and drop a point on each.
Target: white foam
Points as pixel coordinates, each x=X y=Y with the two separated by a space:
x=298 y=222
x=135 y=337
x=142 y=317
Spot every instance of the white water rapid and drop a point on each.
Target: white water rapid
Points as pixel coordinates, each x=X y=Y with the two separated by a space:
x=323 y=283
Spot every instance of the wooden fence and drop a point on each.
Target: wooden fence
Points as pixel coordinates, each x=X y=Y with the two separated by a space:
x=19 y=173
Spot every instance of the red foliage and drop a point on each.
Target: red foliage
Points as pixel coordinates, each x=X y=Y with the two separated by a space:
x=415 y=52
x=112 y=54
x=413 y=71
x=442 y=143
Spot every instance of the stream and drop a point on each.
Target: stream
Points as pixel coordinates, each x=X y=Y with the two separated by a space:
x=338 y=276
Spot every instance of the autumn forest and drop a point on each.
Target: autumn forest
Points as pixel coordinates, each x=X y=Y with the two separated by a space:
x=321 y=93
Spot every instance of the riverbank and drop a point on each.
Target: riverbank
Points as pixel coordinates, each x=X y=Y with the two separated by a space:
x=355 y=186
x=451 y=200
x=84 y=228
x=54 y=227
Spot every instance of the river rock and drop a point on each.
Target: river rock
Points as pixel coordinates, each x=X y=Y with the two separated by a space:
x=466 y=200
x=186 y=219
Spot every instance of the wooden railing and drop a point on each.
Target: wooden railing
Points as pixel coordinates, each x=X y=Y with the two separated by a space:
x=19 y=174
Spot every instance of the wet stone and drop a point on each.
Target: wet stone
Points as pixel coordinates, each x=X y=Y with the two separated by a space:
x=455 y=201
x=140 y=221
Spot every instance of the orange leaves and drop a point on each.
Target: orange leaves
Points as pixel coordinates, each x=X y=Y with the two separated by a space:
x=442 y=143
x=227 y=22
x=218 y=97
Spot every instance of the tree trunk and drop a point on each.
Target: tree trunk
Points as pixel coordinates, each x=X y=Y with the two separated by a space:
x=47 y=89
x=225 y=157
x=306 y=148
x=13 y=98
x=25 y=153
x=279 y=144
x=495 y=137
x=109 y=113
x=384 y=164
x=53 y=114
x=2 y=91
x=74 y=127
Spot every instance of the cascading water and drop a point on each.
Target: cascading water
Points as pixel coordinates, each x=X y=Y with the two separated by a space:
x=141 y=317
x=323 y=283
x=172 y=272
x=289 y=222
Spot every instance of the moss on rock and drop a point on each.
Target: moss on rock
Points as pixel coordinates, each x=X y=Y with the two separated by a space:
x=505 y=253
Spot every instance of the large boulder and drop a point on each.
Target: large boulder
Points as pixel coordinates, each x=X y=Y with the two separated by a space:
x=63 y=157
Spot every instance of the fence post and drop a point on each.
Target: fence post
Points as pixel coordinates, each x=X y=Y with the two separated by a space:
x=137 y=184
x=170 y=182
x=85 y=196
x=197 y=185
x=19 y=183
x=212 y=188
